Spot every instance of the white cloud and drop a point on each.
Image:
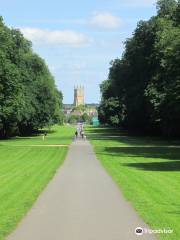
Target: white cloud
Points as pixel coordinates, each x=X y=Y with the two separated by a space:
x=105 y=20
x=55 y=37
x=73 y=67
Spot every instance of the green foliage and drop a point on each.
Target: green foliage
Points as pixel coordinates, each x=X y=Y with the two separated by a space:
x=73 y=119
x=29 y=98
x=110 y=111
x=143 y=87
x=85 y=117
x=81 y=113
x=176 y=16
x=166 y=8
x=80 y=108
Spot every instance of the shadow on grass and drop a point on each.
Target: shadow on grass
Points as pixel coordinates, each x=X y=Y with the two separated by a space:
x=43 y=131
x=100 y=131
x=33 y=135
x=173 y=212
x=169 y=153
x=156 y=166
x=172 y=154
x=140 y=147
x=122 y=136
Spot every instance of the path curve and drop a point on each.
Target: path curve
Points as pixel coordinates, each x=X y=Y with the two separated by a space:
x=80 y=203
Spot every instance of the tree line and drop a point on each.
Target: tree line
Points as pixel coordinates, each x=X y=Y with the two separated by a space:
x=29 y=99
x=142 y=92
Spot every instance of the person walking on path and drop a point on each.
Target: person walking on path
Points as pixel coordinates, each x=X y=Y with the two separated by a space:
x=76 y=134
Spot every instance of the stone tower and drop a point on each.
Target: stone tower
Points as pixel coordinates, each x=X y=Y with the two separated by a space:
x=78 y=96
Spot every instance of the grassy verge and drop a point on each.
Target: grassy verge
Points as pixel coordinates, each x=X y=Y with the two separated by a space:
x=25 y=171
x=147 y=171
x=56 y=135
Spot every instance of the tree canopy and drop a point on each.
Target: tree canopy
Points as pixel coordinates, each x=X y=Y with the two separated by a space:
x=142 y=92
x=29 y=98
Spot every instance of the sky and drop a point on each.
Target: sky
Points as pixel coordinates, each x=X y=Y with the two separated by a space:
x=78 y=39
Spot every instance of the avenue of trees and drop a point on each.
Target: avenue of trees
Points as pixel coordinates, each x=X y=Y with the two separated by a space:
x=142 y=92
x=29 y=98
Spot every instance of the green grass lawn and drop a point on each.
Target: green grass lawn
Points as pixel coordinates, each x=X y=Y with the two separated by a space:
x=26 y=170
x=147 y=171
x=56 y=135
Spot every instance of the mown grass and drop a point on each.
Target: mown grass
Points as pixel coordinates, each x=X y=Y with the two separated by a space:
x=56 y=135
x=147 y=171
x=25 y=171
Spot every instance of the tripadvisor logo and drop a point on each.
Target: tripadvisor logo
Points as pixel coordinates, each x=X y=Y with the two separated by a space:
x=139 y=231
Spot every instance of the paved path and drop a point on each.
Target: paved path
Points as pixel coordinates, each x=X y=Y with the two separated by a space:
x=80 y=203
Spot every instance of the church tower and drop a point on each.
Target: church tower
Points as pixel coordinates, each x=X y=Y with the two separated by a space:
x=78 y=96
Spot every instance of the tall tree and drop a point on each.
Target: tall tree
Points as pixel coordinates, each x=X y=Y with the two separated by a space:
x=146 y=80
x=29 y=98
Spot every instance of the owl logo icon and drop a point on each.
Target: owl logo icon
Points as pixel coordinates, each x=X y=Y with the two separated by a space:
x=139 y=231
